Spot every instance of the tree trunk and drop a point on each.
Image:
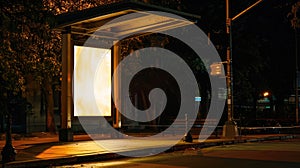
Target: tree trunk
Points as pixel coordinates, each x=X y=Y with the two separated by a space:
x=49 y=107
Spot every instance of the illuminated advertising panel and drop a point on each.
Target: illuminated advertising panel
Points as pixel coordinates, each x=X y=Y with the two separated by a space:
x=92 y=81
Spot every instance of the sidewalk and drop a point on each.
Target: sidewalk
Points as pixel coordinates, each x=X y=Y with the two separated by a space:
x=45 y=150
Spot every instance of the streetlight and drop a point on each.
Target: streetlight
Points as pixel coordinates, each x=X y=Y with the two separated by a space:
x=265 y=94
x=230 y=128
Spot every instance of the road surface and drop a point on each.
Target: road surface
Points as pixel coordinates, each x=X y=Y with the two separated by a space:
x=272 y=154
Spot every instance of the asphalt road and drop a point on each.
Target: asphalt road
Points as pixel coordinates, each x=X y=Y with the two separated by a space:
x=274 y=154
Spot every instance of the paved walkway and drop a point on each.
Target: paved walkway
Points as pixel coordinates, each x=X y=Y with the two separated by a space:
x=43 y=149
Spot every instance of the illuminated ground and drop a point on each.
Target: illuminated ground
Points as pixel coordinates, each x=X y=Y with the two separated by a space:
x=265 y=154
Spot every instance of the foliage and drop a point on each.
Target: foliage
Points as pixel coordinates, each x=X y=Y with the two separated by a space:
x=29 y=46
x=64 y=6
x=295 y=21
x=29 y=50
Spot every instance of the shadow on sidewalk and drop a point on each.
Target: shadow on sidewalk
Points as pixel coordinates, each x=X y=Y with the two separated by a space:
x=32 y=150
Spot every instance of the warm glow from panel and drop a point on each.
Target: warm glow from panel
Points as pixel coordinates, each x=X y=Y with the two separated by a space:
x=92 y=81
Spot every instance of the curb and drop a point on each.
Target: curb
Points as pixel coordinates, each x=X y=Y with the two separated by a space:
x=108 y=156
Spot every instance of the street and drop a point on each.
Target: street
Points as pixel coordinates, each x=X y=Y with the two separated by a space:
x=272 y=154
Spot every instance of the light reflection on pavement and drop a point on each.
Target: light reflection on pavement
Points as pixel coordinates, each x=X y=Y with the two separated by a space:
x=272 y=154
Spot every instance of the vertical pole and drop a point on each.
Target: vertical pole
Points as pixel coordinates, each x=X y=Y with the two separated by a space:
x=8 y=152
x=229 y=65
x=227 y=17
x=186 y=123
x=116 y=60
x=230 y=128
x=187 y=136
x=65 y=133
x=297 y=80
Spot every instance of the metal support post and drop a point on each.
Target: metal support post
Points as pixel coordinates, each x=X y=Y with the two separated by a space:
x=65 y=133
x=115 y=61
x=230 y=127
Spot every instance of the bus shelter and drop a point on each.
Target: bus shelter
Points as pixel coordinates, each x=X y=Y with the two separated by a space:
x=77 y=27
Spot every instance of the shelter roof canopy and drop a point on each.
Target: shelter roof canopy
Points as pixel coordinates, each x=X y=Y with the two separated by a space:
x=93 y=21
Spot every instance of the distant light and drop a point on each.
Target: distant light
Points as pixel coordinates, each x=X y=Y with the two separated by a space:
x=197 y=99
x=266 y=94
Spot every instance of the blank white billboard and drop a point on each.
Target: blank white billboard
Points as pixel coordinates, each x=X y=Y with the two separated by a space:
x=92 y=81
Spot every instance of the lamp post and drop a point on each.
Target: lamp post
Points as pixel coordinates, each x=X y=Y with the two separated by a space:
x=8 y=152
x=230 y=128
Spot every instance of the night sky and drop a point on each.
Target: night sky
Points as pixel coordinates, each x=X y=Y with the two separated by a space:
x=271 y=23
x=264 y=31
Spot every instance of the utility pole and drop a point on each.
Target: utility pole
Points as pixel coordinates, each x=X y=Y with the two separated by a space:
x=230 y=127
